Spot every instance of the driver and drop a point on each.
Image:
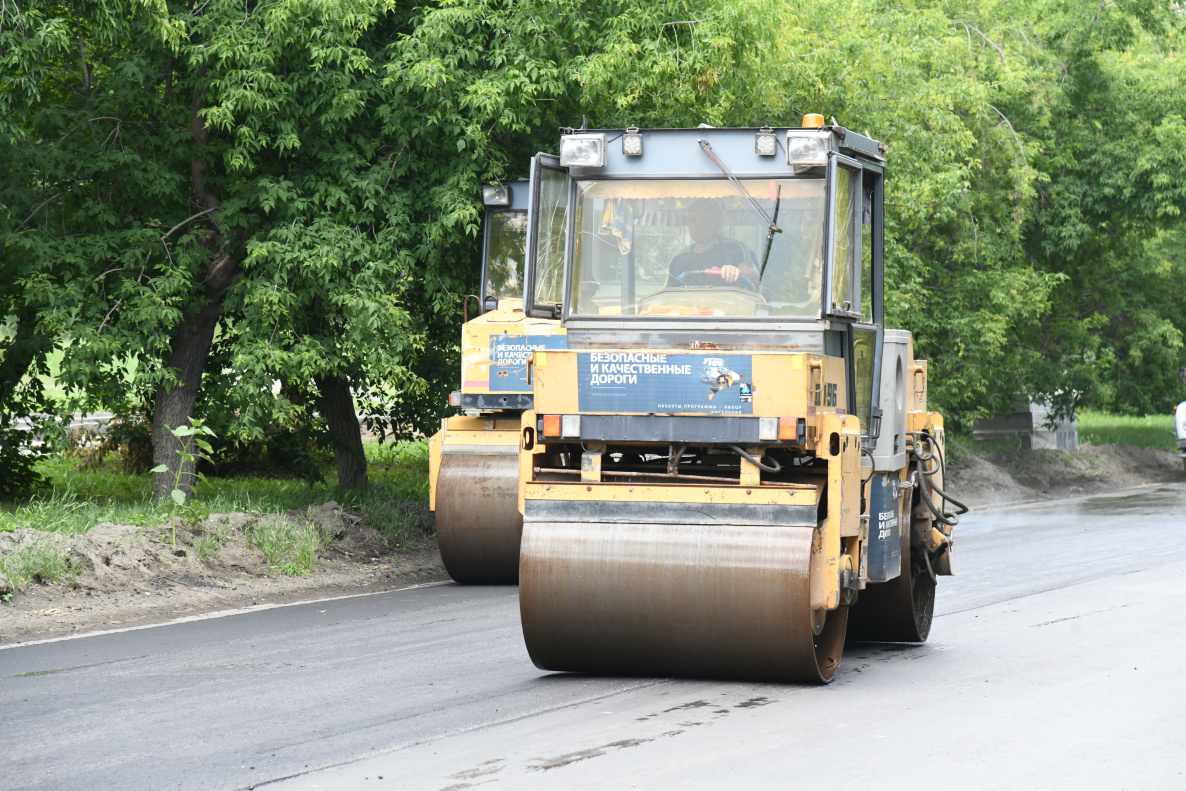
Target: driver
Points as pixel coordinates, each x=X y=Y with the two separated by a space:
x=709 y=250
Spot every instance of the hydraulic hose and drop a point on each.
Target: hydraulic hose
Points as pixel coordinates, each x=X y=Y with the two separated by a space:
x=925 y=450
x=773 y=467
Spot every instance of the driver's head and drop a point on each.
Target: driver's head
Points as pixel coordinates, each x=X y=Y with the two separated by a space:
x=704 y=219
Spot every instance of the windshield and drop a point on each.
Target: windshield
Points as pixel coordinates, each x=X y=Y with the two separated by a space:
x=505 y=253
x=696 y=248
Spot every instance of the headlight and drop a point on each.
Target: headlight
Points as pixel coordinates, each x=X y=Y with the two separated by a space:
x=582 y=151
x=496 y=196
x=807 y=149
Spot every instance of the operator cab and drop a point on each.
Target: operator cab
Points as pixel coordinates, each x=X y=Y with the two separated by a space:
x=740 y=239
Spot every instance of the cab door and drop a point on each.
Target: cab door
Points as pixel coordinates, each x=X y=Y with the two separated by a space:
x=548 y=219
x=854 y=292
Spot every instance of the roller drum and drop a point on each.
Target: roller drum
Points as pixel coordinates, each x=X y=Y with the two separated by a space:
x=698 y=600
x=477 y=517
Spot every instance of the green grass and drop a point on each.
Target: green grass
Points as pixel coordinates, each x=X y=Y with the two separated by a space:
x=77 y=500
x=42 y=560
x=289 y=548
x=211 y=540
x=400 y=468
x=1150 y=431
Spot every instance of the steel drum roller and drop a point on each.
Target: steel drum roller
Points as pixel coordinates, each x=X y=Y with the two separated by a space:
x=709 y=600
x=477 y=517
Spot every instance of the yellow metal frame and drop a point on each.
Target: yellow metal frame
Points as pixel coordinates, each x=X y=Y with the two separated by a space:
x=507 y=320
x=670 y=493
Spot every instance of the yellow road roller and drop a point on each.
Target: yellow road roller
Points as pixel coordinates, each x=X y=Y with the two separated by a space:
x=731 y=462
x=474 y=458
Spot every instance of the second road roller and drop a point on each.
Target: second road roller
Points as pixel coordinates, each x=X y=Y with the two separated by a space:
x=729 y=463
x=474 y=458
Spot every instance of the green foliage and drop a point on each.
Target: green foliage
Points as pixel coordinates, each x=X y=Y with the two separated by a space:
x=1150 y=431
x=18 y=459
x=399 y=469
x=59 y=511
x=396 y=500
x=402 y=523
x=183 y=507
x=76 y=500
x=210 y=541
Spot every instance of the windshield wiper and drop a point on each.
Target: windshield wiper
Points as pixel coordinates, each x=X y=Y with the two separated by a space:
x=771 y=223
x=770 y=233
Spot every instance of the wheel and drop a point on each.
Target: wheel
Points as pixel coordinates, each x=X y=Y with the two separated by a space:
x=898 y=611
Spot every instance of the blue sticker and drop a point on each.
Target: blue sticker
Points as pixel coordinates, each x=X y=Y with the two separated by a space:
x=658 y=383
x=509 y=355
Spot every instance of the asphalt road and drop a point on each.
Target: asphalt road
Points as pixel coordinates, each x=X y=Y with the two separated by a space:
x=1055 y=662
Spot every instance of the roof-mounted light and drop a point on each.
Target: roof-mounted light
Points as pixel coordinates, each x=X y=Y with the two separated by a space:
x=499 y=195
x=632 y=142
x=808 y=149
x=765 y=143
x=586 y=150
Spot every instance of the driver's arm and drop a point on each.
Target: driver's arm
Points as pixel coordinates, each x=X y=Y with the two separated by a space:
x=745 y=267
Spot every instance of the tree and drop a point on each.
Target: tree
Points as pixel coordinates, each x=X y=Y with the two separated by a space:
x=152 y=139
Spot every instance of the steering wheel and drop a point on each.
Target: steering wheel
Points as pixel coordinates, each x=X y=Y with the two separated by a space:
x=712 y=277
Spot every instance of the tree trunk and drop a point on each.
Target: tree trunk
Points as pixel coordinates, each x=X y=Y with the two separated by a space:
x=174 y=405
x=336 y=405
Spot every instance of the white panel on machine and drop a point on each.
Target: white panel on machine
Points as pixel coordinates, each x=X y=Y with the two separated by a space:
x=1180 y=425
x=890 y=452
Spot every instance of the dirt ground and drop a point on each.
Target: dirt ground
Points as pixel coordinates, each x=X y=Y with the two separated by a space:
x=129 y=576
x=979 y=478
